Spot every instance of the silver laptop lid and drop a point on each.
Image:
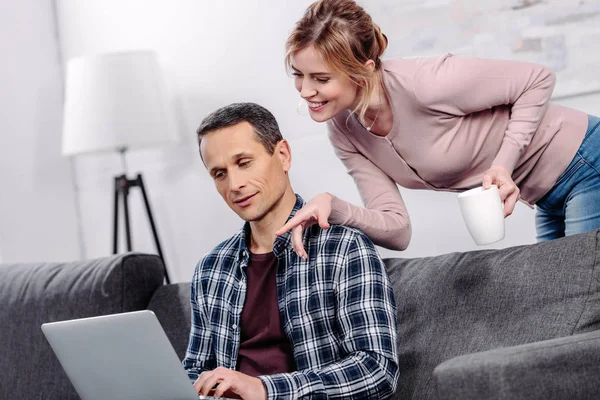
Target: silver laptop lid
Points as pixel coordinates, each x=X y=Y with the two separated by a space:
x=119 y=356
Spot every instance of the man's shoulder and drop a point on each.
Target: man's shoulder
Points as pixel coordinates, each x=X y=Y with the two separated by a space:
x=226 y=250
x=345 y=250
x=343 y=236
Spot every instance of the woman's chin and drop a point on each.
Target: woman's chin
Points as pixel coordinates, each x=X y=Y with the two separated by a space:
x=320 y=116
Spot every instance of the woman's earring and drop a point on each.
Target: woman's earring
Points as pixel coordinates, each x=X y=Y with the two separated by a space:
x=302 y=108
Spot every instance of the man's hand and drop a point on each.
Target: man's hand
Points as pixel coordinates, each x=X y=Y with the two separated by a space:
x=230 y=384
x=509 y=192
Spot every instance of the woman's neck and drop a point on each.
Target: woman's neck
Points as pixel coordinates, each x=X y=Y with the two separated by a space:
x=378 y=118
x=378 y=103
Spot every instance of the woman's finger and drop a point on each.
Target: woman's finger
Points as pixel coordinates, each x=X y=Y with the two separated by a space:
x=323 y=223
x=292 y=223
x=506 y=190
x=488 y=180
x=297 y=241
x=510 y=203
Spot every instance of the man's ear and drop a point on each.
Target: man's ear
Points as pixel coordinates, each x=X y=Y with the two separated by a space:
x=200 y=147
x=284 y=152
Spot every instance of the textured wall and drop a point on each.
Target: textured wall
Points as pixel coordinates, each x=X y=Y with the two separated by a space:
x=37 y=201
x=561 y=34
x=218 y=52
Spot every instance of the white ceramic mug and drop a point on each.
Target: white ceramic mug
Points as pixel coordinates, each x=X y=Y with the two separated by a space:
x=483 y=213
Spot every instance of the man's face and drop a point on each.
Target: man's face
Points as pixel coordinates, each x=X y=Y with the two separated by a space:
x=248 y=178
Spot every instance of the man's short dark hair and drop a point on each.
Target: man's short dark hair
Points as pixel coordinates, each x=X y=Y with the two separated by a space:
x=264 y=123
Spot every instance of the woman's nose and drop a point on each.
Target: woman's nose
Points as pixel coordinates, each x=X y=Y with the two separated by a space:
x=307 y=91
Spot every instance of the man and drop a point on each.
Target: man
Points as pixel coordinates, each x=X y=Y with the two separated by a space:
x=266 y=323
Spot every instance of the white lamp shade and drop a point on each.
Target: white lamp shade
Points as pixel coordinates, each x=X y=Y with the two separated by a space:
x=115 y=101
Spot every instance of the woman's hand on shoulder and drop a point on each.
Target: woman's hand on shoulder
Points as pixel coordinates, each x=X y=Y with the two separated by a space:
x=317 y=210
x=509 y=192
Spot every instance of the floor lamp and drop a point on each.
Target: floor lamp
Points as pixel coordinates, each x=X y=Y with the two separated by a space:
x=117 y=102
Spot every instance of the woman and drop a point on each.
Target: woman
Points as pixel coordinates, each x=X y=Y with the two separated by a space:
x=447 y=123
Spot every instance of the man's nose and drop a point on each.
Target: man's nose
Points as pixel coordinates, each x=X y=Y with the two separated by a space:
x=236 y=181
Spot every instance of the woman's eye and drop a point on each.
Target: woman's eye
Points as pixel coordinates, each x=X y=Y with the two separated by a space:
x=322 y=80
x=297 y=74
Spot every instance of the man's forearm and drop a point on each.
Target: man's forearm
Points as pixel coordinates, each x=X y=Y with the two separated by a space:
x=193 y=369
x=359 y=375
x=193 y=374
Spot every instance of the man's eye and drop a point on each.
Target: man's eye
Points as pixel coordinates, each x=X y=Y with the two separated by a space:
x=219 y=175
x=244 y=164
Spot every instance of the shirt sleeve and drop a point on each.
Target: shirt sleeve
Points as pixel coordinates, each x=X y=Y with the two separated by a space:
x=466 y=85
x=366 y=316
x=198 y=357
x=384 y=219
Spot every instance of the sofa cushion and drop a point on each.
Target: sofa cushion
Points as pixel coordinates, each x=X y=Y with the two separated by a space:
x=555 y=369
x=463 y=303
x=171 y=304
x=31 y=294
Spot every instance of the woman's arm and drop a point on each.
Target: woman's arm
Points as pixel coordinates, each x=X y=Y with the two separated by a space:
x=384 y=219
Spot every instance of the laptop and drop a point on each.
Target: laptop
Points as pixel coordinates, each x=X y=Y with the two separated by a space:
x=120 y=356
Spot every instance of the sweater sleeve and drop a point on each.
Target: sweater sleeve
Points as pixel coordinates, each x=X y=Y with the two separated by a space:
x=465 y=85
x=385 y=219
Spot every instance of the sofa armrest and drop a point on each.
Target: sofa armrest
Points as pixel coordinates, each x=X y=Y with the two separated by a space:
x=171 y=304
x=564 y=368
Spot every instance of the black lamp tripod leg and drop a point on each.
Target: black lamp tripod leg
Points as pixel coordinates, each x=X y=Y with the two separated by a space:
x=116 y=217
x=122 y=186
x=140 y=182
x=125 y=191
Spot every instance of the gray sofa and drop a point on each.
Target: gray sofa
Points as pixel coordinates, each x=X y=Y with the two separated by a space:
x=31 y=294
x=517 y=323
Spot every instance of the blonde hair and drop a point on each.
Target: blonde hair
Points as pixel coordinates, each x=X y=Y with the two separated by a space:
x=346 y=37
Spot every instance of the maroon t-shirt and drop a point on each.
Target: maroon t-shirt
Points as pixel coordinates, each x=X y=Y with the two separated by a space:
x=264 y=347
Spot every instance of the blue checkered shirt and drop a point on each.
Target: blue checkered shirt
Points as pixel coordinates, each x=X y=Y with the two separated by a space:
x=337 y=309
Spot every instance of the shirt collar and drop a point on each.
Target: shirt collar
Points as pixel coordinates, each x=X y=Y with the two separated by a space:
x=282 y=242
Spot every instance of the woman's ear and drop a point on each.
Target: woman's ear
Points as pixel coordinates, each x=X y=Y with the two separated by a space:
x=370 y=65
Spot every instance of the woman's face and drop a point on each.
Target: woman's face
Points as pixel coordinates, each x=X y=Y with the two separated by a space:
x=326 y=91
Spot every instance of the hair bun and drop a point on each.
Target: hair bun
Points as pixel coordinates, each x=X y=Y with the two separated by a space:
x=382 y=40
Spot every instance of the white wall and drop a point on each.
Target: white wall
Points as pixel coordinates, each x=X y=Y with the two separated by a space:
x=37 y=209
x=218 y=52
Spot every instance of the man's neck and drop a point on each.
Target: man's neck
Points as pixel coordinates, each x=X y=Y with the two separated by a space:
x=262 y=234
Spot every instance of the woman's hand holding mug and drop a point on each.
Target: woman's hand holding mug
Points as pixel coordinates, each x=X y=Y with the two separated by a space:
x=509 y=192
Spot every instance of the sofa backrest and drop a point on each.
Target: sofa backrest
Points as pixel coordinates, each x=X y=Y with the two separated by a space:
x=462 y=303
x=32 y=294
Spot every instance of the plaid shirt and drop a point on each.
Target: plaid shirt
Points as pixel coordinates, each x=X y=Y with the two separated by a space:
x=337 y=309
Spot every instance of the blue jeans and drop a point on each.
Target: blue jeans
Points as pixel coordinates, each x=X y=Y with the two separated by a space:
x=573 y=204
